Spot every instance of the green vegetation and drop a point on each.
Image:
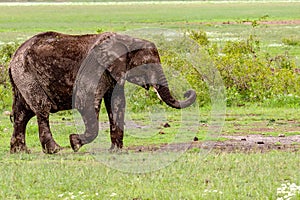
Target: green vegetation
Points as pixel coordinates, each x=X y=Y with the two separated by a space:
x=6 y=52
x=251 y=75
x=23 y=21
x=258 y=61
x=292 y=41
x=77 y=176
x=195 y=175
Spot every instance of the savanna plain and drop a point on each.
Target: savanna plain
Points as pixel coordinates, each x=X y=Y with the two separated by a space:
x=245 y=145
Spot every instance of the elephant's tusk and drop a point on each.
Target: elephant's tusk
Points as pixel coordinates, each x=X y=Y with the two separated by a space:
x=155 y=90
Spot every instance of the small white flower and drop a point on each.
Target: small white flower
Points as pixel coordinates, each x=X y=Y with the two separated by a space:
x=279 y=191
x=80 y=192
x=97 y=194
x=212 y=191
x=113 y=194
x=60 y=195
x=73 y=197
x=283 y=185
x=286 y=197
x=287 y=191
x=7 y=113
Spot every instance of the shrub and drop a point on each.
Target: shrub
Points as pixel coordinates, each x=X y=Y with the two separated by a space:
x=292 y=41
x=199 y=36
x=251 y=75
x=187 y=77
x=5 y=97
x=6 y=52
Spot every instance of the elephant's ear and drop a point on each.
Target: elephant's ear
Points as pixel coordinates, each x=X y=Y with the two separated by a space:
x=118 y=53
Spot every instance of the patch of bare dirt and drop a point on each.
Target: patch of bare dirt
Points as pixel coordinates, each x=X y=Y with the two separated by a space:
x=271 y=22
x=282 y=22
x=264 y=127
x=259 y=143
x=249 y=143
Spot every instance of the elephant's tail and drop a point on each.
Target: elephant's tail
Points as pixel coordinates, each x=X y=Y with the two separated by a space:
x=13 y=89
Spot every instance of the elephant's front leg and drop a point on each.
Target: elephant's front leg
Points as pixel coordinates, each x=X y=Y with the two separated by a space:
x=47 y=141
x=115 y=106
x=90 y=119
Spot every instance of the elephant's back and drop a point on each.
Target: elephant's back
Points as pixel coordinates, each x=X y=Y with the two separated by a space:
x=52 y=60
x=52 y=54
x=56 y=52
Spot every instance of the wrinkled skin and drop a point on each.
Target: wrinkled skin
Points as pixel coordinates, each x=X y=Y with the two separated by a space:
x=46 y=71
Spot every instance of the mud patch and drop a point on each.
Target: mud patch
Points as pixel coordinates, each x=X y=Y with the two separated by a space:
x=259 y=143
x=245 y=144
x=270 y=22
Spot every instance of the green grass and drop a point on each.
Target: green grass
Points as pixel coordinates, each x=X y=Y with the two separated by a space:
x=90 y=17
x=261 y=120
x=196 y=174
x=193 y=176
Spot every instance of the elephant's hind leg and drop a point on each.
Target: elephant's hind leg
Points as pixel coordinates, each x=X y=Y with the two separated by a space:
x=48 y=144
x=27 y=85
x=21 y=115
x=41 y=105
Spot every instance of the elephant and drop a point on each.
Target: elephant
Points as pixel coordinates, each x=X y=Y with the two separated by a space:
x=49 y=68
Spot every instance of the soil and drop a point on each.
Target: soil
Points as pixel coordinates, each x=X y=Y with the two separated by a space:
x=249 y=143
x=276 y=22
x=271 y=22
x=254 y=137
x=258 y=143
x=241 y=133
x=281 y=22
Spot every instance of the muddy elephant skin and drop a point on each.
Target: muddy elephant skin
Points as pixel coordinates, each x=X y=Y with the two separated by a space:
x=46 y=71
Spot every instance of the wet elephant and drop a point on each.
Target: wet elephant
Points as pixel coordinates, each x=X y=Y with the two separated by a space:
x=52 y=72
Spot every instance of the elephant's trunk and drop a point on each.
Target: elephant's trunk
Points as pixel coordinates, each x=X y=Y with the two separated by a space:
x=164 y=92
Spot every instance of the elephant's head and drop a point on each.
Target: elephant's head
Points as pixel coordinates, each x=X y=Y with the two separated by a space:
x=143 y=67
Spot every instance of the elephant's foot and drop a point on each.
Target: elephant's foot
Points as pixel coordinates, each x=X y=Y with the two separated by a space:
x=115 y=148
x=116 y=142
x=51 y=147
x=75 y=142
x=17 y=148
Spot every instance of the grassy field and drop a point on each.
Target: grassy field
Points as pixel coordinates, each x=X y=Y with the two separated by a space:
x=216 y=176
x=195 y=174
x=222 y=21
